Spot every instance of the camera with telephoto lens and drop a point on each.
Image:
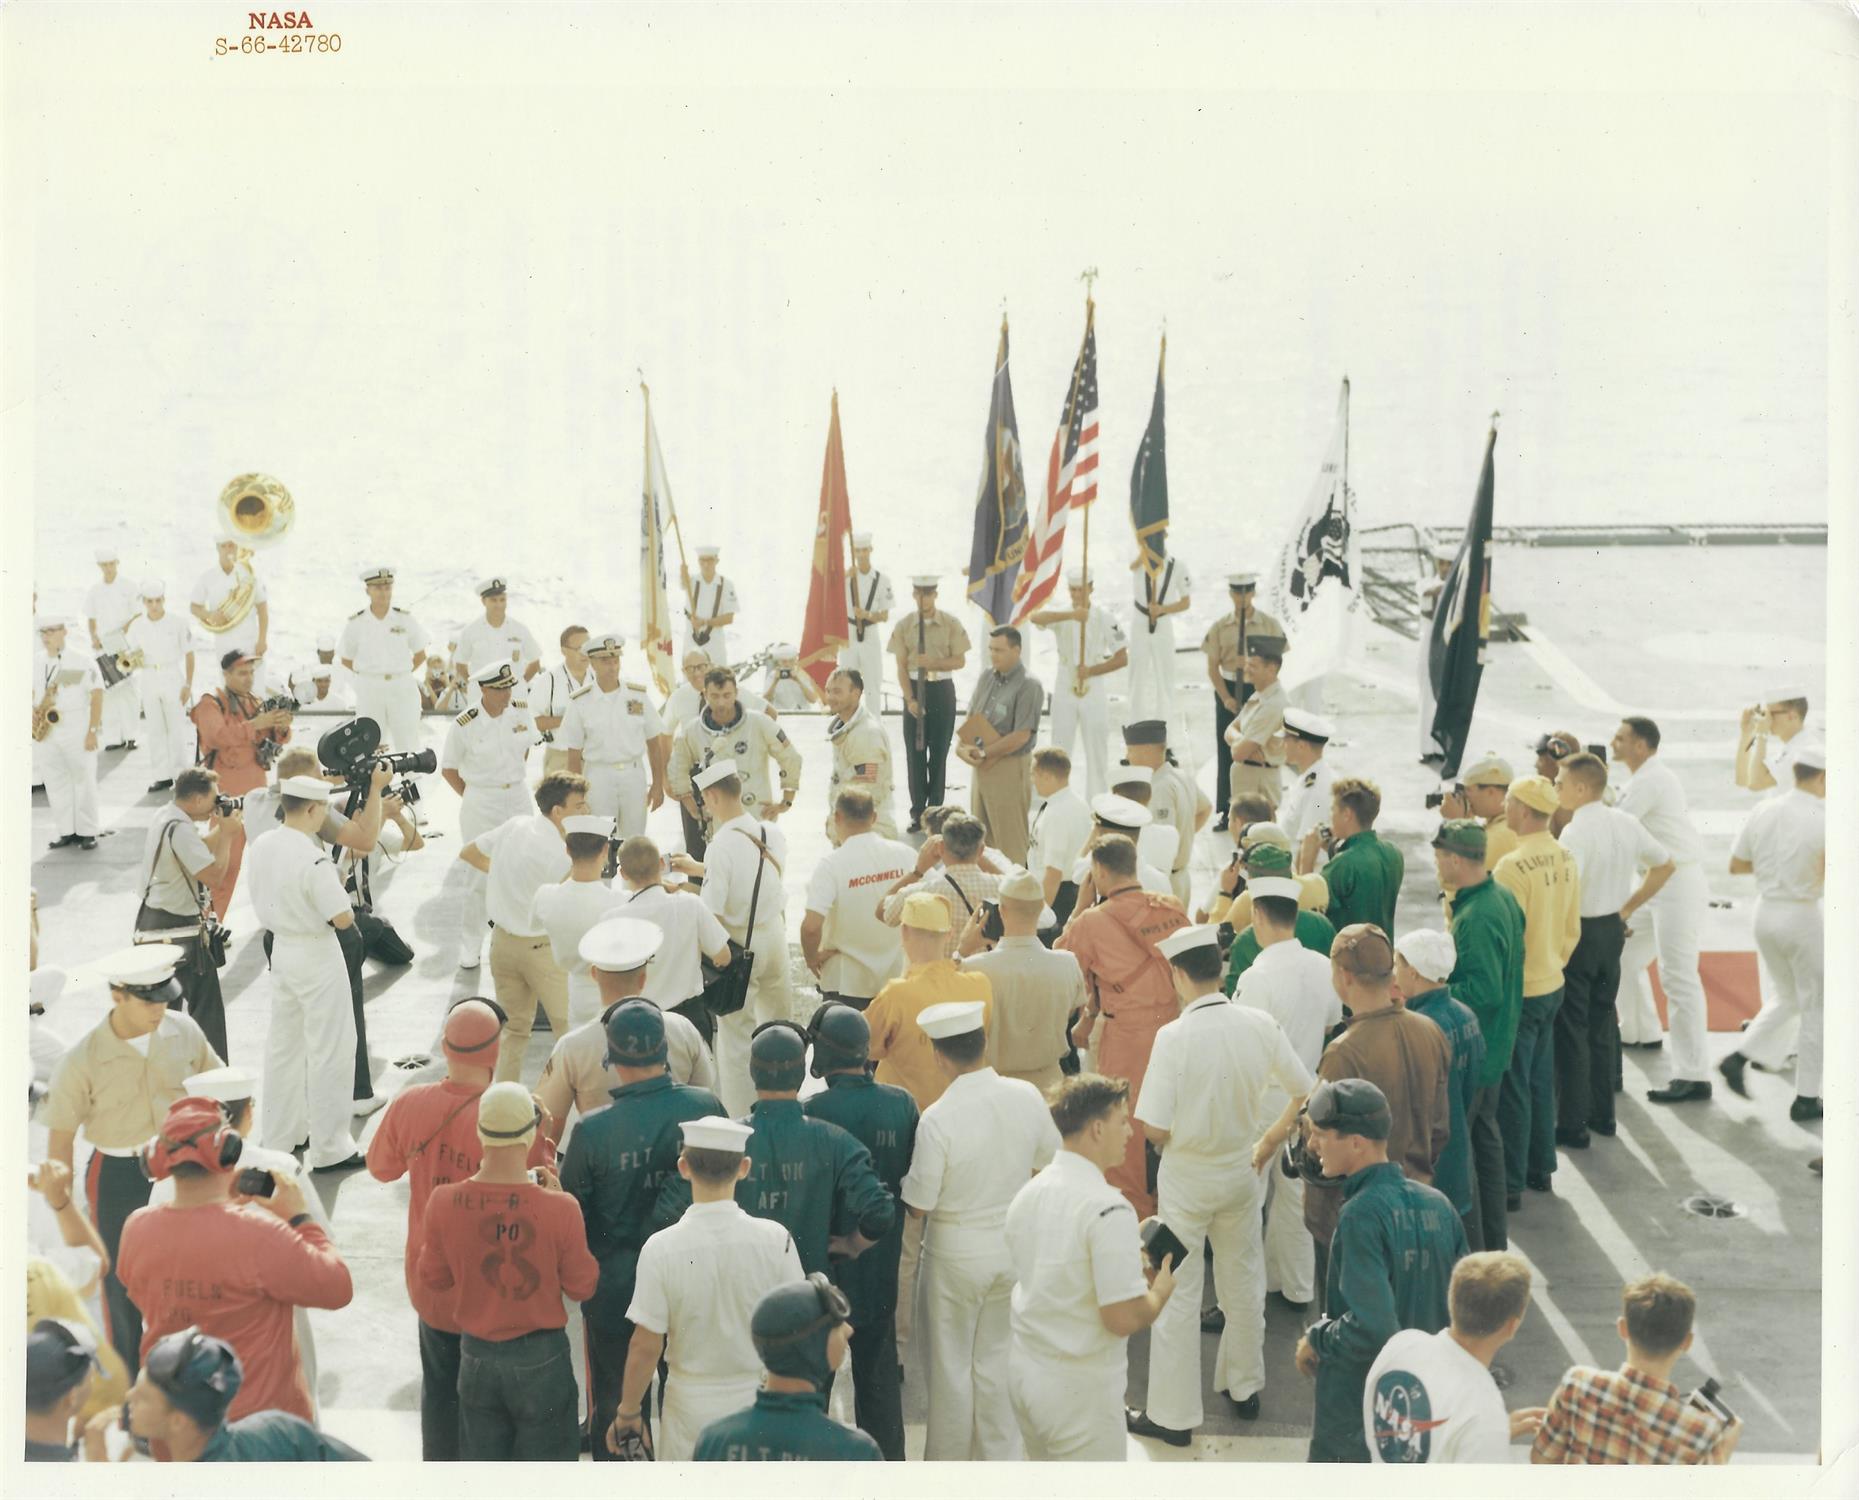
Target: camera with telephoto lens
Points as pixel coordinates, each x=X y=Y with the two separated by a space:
x=349 y=751
x=227 y=806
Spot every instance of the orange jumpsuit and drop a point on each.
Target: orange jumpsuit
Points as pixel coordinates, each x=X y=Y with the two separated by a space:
x=229 y=745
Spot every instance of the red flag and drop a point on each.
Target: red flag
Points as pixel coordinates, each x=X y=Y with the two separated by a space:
x=825 y=630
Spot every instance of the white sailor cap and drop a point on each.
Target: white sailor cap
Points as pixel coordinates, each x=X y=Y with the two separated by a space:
x=321 y=671
x=145 y=966
x=1120 y=812
x=1786 y=689
x=377 y=573
x=228 y=1084
x=312 y=787
x=589 y=823
x=1308 y=726
x=1022 y=885
x=708 y=549
x=605 y=643
x=1076 y=577
x=785 y=648
x=1445 y=551
x=1275 y=885
x=48 y=622
x=153 y=588
x=952 y=1018
x=496 y=675
x=107 y=553
x=493 y=585
x=925 y=580
x=621 y=944
x=860 y=540
x=1132 y=775
x=1430 y=952
x=713 y=773
x=1242 y=580
x=326 y=641
x=716 y=1133
x=1811 y=751
x=1206 y=935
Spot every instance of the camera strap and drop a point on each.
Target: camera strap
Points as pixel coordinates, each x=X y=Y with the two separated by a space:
x=967 y=905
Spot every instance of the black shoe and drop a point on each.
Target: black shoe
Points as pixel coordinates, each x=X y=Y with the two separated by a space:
x=1538 y=1182
x=1574 y=1140
x=1816 y=1166
x=301 y=1147
x=1138 y=1424
x=69 y=838
x=1213 y=1320
x=1513 y=1201
x=1680 y=1091
x=1805 y=1109
x=347 y=1165
x=1653 y=1046
x=87 y=843
x=916 y=826
x=159 y=786
x=119 y=745
x=1219 y=824
x=1247 y=1410
x=1602 y=1127
x=1732 y=1069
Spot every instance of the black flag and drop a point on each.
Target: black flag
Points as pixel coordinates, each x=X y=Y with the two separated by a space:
x=1149 y=484
x=1000 y=503
x=1461 y=626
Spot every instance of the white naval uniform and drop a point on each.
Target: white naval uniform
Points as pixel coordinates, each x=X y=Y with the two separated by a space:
x=697 y=1284
x=1785 y=838
x=68 y=769
x=977 y=1146
x=867 y=656
x=480 y=643
x=1210 y=1083
x=1075 y=1250
x=691 y=930
x=612 y=730
x=1152 y=654
x=1292 y=985
x=717 y=597
x=310 y=1048
x=1061 y=825
x=548 y=697
x=161 y=683
x=113 y=606
x=730 y=864
x=1667 y=928
x=210 y=591
x=1103 y=639
x=862 y=759
x=566 y=912
x=491 y=754
x=386 y=689
x=1305 y=807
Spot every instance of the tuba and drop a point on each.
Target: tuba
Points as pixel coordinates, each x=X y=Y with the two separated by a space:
x=255 y=511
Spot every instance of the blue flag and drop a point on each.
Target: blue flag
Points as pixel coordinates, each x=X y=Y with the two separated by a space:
x=1000 y=504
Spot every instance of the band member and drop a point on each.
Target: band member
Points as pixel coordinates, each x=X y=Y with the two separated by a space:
x=384 y=646
x=929 y=648
x=868 y=606
x=484 y=761
x=1156 y=599
x=712 y=605
x=1091 y=645
x=230 y=600
x=233 y=734
x=68 y=703
x=495 y=640
x=110 y=606
x=609 y=727
x=164 y=682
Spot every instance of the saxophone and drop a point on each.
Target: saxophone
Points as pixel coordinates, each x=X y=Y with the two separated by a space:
x=44 y=716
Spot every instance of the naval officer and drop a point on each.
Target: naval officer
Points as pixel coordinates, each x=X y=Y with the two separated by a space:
x=485 y=760
x=609 y=727
x=383 y=647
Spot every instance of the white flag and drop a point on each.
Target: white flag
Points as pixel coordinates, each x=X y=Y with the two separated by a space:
x=1315 y=587
x=654 y=606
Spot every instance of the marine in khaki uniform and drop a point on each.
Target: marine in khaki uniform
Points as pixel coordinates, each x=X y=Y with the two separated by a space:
x=608 y=729
x=928 y=648
x=725 y=729
x=861 y=751
x=1256 y=738
x=1226 y=646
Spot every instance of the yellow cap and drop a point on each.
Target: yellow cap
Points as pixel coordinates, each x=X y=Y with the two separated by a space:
x=1537 y=792
x=926 y=912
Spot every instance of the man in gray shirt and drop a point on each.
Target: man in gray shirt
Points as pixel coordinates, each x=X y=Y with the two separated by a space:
x=1009 y=698
x=1036 y=989
x=178 y=867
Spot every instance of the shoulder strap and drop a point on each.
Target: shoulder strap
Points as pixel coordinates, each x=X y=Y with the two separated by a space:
x=969 y=905
x=755 y=895
x=166 y=841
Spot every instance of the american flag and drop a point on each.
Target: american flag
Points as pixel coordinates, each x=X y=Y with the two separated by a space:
x=1071 y=478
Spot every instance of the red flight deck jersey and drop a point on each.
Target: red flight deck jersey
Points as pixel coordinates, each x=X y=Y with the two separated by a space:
x=237 y=1271
x=429 y=1134
x=502 y=1255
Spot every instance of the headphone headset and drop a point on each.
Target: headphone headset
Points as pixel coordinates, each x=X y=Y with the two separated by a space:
x=535 y=1123
x=834 y=1310
x=607 y=1014
x=806 y=1039
x=503 y=1020
x=229 y=1148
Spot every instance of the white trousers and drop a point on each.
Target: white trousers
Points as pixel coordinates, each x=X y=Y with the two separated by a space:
x=1202 y=1200
x=583 y=1002
x=394 y=704
x=1290 y=1253
x=868 y=659
x=691 y=1405
x=479 y=811
x=310 y=1049
x=618 y=792
x=122 y=708
x=966 y=1281
x=1666 y=928
x=770 y=999
x=1091 y=714
x=1068 y=1413
x=70 y=774
x=1790 y=936
x=1152 y=668
x=170 y=734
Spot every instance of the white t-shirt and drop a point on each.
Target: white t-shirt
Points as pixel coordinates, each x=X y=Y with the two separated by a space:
x=1292 y=985
x=845 y=888
x=1212 y=1076
x=691 y=930
x=1785 y=838
x=566 y=911
x=1427 y=1401
x=1060 y=828
x=1654 y=796
x=699 y=1282
x=526 y=853
x=164 y=644
x=1075 y=1249
x=976 y=1147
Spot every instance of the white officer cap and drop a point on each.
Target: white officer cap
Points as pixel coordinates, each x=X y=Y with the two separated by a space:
x=606 y=643
x=1275 y=885
x=143 y=966
x=588 y=823
x=1308 y=726
x=708 y=549
x=1075 y=576
x=1178 y=942
x=1108 y=807
x=48 y=622
x=860 y=540
x=713 y=773
x=305 y=786
x=227 y=1084
x=926 y=580
x=496 y=675
x=321 y=672
x=493 y=585
x=716 y=1133
x=1811 y=752
x=1431 y=952
x=378 y=573
x=153 y=588
x=786 y=648
x=621 y=944
x=951 y=1018
x=1128 y=775
x=107 y=553
x=1242 y=580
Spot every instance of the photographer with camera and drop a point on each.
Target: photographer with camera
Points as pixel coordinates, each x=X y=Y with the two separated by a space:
x=179 y=865
x=239 y=737
x=785 y=685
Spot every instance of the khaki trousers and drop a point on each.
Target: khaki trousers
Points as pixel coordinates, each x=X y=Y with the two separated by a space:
x=525 y=974
x=1257 y=781
x=1001 y=799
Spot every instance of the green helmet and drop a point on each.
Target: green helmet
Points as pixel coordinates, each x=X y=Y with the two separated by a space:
x=791 y=1327
x=841 y=1038
x=778 y=1057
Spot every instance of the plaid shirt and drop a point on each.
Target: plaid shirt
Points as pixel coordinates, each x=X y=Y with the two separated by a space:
x=964 y=887
x=1622 y=1416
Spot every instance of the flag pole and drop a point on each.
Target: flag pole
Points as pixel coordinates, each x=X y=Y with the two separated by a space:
x=1089 y=278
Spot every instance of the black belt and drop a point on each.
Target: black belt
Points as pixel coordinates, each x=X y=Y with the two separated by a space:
x=1264 y=765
